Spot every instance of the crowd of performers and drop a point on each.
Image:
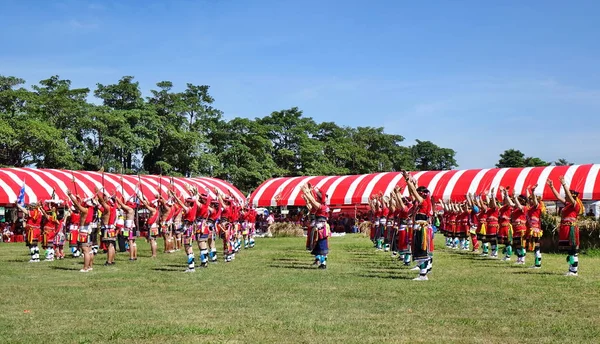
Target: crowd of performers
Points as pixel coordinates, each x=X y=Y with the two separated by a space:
x=404 y=225
x=94 y=223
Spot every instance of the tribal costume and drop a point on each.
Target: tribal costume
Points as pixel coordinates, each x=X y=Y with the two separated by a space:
x=568 y=234
x=505 y=234
x=519 y=228
x=534 y=232
x=33 y=233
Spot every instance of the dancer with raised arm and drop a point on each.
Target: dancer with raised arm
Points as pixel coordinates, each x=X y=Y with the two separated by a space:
x=129 y=230
x=568 y=235
x=422 y=243
x=151 y=223
x=505 y=233
x=86 y=211
x=534 y=215
x=519 y=225
x=321 y=228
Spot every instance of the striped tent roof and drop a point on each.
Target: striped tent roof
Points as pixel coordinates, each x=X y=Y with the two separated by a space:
x=40 y=183
x=452 y=184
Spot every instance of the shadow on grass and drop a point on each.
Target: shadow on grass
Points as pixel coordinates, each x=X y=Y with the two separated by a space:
x=65 y=268
x=17 y=261
x=534 y=272
x=389 y=276
x=179 y=269
x=292 y=266
x=292 y=260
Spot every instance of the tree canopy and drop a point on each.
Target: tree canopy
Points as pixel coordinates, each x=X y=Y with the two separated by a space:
x=516 y=158
x=181 y=133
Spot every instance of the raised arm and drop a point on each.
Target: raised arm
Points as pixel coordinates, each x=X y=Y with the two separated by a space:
x=556 y=194
x=412 y=188
x=568 y=194
x=517 y=203
x=531 y=193
x=101 y=199
x=76 y=202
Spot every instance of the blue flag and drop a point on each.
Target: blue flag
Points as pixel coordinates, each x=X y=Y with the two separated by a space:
x=21 y=198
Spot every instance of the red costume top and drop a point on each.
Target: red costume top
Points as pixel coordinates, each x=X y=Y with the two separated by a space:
x=49 y=225
x=568 y=215
x=385 y=212
x=425 y=207
x=90 y=216
x=112 y=217
x=322 y=211
x=226 y=212
x=504 y=214
x=481 y=219
x=463 y=221
x=203 y=211
x=74 y=219
x=533 y=216
x=34 y=219
x=190 y=216
x=216 y=213
x=519 y=219
x=492 y=216
x=153 y=219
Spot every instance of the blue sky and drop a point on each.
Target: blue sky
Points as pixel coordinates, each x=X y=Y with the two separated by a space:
x=476 y=76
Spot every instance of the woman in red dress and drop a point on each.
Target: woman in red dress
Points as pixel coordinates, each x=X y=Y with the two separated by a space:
x=568 y=235
x=534 y=230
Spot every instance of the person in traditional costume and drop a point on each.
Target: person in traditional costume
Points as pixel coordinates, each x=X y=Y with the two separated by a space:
x=473 y=222
x=33 y=232
x=214 y=211
x=129 y=228
x=108 y=230
x=166 y=210
x=177 y=223
x=48 y=211
x=534 y=215
x=492 y=223
x=453 y=211
x=189 y=209
x=404 y=207
x=374 y=221
x=519 y=225
x=481 y=229
x=321 y=231
x=568 y=233
x=73 y=231
x=86 y=209
x=152 y=223
x=225 y=227
x=252 y=229
x=463 y=225
x=422 y=243
x=505 y=234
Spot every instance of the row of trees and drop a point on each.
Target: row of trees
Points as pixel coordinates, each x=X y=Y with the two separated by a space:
x=516 y=158
x=53 y=125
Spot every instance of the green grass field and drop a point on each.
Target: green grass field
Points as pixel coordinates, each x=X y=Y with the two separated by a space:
x=271 y=294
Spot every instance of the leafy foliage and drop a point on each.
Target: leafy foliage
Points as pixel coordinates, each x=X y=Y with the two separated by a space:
x=181 y=133
x=516 y=158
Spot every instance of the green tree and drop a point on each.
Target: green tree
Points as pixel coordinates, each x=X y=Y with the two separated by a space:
x=430 y=157
x=562 y=162
x=13 y=101
x=511 y=158
x=124 y=126
x=58 y=112
x=534 y=162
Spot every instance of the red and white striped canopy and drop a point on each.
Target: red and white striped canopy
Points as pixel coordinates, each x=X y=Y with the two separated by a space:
x=40 y=183
x=453 y=184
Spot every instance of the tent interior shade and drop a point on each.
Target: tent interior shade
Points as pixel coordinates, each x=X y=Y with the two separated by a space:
x=452 y=184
